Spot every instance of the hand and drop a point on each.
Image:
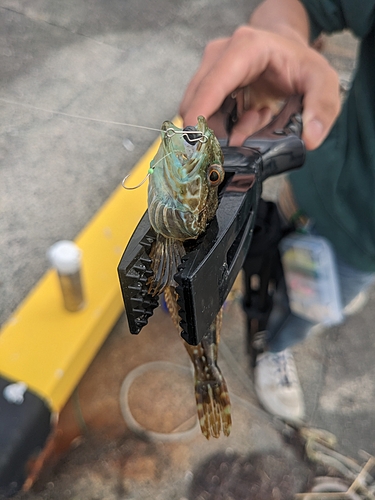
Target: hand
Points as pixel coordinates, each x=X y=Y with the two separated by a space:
x=275 y=67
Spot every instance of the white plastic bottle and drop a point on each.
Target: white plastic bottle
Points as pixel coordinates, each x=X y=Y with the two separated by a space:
x=65 y=257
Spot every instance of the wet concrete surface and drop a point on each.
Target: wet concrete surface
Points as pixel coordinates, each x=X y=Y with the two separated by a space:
x=129 y=62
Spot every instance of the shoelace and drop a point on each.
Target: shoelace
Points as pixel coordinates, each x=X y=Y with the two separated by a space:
x=284 y=369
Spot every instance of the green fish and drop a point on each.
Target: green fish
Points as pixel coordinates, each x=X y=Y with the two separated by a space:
x=182 y=198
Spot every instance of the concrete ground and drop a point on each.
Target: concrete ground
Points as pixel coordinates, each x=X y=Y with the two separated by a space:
x=130 y=62
x=119 y=61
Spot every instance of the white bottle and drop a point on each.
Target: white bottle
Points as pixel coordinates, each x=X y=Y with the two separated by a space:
x=65 y=257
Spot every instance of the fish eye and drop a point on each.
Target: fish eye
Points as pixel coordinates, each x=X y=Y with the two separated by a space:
x=215 y=174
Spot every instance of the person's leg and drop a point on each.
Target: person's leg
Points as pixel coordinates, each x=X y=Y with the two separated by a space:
x=275 y=375
x=353 y=285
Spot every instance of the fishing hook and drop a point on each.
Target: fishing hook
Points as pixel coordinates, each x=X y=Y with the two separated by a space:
x=149 y=172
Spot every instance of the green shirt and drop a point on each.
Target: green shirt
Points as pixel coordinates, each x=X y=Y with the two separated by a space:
x=336 y=186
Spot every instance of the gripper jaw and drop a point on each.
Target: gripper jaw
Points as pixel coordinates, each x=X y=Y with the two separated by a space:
x=134 y=272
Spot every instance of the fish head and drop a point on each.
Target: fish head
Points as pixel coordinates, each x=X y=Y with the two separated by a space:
x=183 y=187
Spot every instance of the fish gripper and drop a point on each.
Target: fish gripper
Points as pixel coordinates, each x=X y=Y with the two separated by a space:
x=134 y=272
x=212 y=262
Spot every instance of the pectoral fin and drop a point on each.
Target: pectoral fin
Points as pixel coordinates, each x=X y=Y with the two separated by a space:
x=166 y=254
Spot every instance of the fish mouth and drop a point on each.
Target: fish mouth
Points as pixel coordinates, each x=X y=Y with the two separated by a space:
x=187 y=146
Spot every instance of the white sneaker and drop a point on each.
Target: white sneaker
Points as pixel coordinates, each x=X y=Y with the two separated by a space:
x=356 y=305
x=277 y=385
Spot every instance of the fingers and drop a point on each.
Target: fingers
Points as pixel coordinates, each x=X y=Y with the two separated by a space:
x=275 y=66
x=321 y=104
x=250 y=122
x=211 y=55
x=232 y=64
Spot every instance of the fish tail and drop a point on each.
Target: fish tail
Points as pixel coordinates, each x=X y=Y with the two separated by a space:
x=211 y=392
x=213 y=406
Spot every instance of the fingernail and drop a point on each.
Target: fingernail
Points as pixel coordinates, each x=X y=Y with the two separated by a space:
x=314 y=132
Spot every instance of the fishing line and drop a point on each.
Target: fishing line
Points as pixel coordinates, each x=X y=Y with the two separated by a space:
x=194 y=135
x=79 y=117
x=169 y=132
x=149 y=172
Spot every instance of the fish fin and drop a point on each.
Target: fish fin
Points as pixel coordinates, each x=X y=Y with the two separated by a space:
x=170 y=296
x=211 y=392
x=213 y=404
x=165 y=254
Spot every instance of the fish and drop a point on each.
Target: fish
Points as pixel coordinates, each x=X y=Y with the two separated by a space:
x=182 y=199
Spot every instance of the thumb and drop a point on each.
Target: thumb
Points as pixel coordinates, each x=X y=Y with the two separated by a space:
x=314 y=132
x=320 y=110
x=321 y=103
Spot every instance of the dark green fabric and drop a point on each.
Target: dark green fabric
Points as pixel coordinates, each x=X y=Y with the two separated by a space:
x=336 y=186
x=336 y=15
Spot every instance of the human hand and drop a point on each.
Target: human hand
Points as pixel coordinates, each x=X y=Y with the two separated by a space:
x=275 y=67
